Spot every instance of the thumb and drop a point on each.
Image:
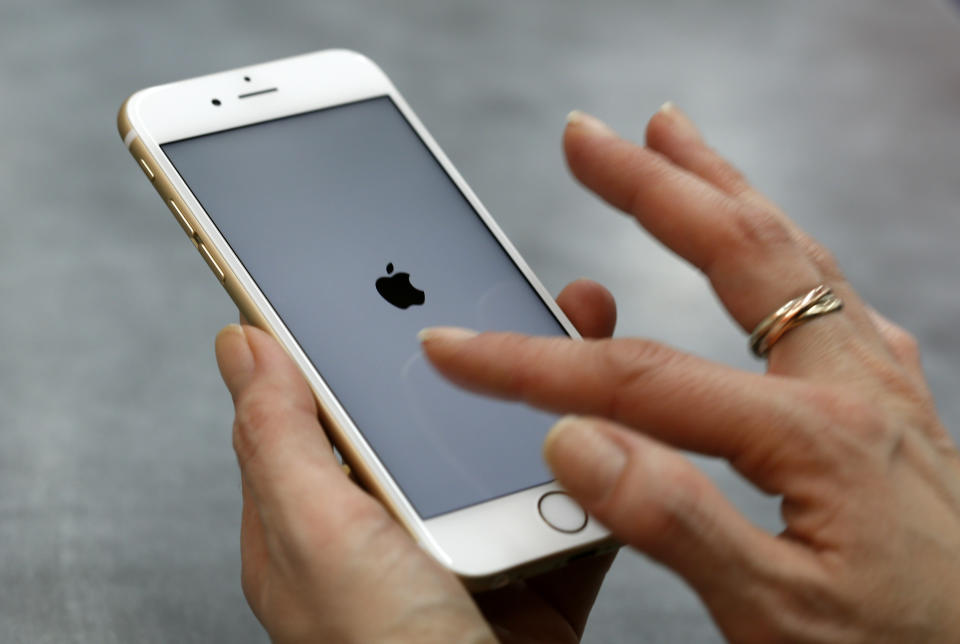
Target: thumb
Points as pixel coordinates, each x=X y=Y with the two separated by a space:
x=281 y=448
x=652 y=498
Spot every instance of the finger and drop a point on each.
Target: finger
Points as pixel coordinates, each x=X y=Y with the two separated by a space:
x=674 y=135
x=743 y=250
x=283 y=453
x=746 y=250
x=671 y=133
x=690 y=403
x=655 y=500
x=590 y=307
x=900 y=343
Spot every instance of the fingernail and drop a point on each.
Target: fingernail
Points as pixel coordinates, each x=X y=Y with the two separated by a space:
x=592 y=123
x=681 y=122
x=233 y=327
x=234 y=358
x=445 y=333
x=584 y=458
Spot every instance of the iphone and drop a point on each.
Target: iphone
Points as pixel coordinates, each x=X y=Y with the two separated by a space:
x=335 y=223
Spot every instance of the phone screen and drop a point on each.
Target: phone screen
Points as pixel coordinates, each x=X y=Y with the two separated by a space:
x=358 y=238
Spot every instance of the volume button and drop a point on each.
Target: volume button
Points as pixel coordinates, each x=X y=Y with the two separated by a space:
x=187 y=228
x=147 y=170
x=211 y=262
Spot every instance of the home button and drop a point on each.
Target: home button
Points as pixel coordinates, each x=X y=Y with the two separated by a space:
x=561 y=512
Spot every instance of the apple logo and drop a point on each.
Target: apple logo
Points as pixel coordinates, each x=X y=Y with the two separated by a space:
x=397 y=289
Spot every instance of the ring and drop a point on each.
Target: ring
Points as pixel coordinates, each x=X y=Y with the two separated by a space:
x=817 y=302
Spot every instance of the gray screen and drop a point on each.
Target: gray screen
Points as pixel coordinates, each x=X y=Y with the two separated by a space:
x=322 y=205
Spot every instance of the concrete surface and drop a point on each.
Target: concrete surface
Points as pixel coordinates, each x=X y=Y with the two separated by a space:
x=119 y=498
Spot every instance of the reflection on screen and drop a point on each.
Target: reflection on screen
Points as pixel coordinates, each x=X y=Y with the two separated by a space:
x=359 y=239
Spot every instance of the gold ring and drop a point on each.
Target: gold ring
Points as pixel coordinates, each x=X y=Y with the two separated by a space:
x=817 y=302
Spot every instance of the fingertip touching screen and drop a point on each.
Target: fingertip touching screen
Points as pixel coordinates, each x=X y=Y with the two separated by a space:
x=358 y=238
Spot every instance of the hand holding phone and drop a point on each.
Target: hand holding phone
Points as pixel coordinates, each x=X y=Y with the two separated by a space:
x=323 y=561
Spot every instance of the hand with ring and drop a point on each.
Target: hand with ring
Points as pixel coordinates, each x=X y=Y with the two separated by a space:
x=842 y=426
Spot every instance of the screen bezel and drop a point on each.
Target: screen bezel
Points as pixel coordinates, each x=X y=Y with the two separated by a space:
x=308 y=83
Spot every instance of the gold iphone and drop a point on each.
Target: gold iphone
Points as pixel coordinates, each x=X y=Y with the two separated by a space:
x=336 y=224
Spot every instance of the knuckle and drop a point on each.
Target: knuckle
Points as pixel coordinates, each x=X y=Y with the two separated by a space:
x=753 y=227
x=822 y=258
x=254 y=423
x=527 y=383
x=663 y=507
x=806 y=603
x=897 y=387
x=632 y=364
x=727 y=173
x=646 y=172
x=858 y=425
x=634 y=358
x=904 y=342
x=681 y=497
x=366 y=514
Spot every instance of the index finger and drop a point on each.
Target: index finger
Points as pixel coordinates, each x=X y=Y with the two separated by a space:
x=682 y=400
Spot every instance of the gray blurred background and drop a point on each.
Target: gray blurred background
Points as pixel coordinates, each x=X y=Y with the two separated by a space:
x=119 y=496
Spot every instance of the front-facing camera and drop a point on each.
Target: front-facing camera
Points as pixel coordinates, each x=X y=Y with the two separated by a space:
x=216 y=102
